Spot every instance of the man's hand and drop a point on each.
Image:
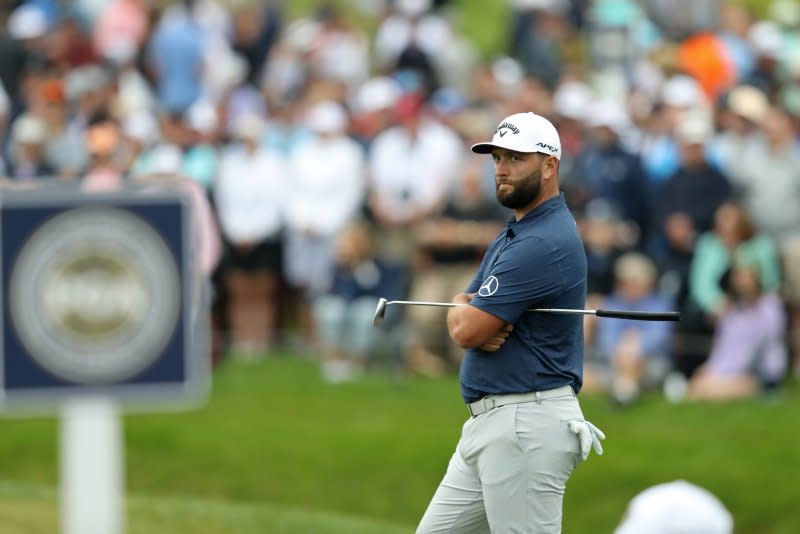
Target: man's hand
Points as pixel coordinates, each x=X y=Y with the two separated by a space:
x=497 y=341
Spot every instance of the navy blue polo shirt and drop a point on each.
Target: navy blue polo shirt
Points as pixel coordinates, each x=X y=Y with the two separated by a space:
x=537 y=262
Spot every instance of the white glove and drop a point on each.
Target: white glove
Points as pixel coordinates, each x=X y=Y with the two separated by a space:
x=588 y=435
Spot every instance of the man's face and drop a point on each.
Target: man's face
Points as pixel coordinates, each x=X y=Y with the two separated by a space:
x=518 y=177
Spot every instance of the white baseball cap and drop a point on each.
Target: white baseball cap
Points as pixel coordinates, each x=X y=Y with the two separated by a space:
x=524 y=132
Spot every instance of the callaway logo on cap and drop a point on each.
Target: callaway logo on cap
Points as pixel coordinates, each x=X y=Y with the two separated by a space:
x=523 y=132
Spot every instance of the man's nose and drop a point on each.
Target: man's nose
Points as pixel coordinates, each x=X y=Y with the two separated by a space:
x=500 y=168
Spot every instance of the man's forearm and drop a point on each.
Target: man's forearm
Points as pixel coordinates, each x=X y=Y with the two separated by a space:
x=455 y=316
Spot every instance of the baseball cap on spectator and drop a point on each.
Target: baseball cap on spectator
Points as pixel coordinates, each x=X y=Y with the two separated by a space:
x=682 y=91
x=608 y=113
x=748 y=102
x=166 y=159
x=523 y=132
x=29 y=130
x=412 y=8
x=695 y=128
x=447 y=101
x=766 y=39
x=571 y=100
x=248 y=126
x=635 y=266
x=27 y=22
x=376 y=94
x=141 y=126
x=326 y=118
x=202 y=117
x=408 y=106
x=677 y=506
x=85 y=79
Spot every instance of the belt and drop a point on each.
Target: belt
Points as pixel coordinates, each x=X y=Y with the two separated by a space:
x=491 y=402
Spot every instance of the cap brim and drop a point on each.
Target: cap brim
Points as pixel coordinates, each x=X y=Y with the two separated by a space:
x=486 y=148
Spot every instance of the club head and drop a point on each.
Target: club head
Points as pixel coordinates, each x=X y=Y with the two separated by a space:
x=380 y=312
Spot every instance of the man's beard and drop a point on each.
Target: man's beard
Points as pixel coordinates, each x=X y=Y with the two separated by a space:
x=523 y=193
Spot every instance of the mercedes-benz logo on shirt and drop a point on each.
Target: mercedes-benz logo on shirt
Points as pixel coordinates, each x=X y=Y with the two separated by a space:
x=489 y=287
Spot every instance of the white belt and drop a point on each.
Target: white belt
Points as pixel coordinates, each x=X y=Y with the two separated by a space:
x=491 y=402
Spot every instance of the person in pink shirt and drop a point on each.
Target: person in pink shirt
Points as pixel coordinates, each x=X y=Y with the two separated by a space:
x=749 y=349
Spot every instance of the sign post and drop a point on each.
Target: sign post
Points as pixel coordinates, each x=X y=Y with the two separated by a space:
x=100 y=314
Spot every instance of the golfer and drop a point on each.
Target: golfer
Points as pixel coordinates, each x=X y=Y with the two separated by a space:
x=521 y=371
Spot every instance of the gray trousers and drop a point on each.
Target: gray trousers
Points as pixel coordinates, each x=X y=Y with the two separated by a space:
x=509 y=471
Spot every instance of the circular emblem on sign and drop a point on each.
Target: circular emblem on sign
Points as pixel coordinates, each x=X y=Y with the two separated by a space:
x=489 y=287
x=95 y=295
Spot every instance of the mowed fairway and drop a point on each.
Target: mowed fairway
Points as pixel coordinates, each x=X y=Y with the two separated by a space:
x=276 y=450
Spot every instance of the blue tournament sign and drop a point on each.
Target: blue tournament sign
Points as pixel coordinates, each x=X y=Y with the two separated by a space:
x=99 y=297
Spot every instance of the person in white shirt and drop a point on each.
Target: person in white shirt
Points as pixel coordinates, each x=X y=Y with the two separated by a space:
x=326 y=193
x=413 y=167
x=249 y=193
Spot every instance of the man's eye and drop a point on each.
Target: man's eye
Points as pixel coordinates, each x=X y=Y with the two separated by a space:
x=514 y=158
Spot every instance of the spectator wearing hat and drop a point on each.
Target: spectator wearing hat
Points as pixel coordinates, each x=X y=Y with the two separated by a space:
x=634 y=355
x=201 y=160
x=322 y=199
x=688 y=200
x=606 y=170
x=742 y=111
x=677 y=507
x=28 y=138
x=413 y=167
x=249 y=194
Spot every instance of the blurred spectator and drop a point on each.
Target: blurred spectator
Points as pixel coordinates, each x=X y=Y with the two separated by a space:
x=412 y=29
x=344 y=311
x=256 y=28
x=743 y=110
x=65 y=150
x=634 y=354
x=677 y=507
x=142 y=132
x=201 y=160
x=749 y=351
x=449 y=246
x=413 y=168
x=106 y=171
x=767 y=172
x=539 y=28
x=123 y=23
x=13 y=64
x=28 y=138
x=733 y=239
x=606 y=170
x=326 y=191
x=373 y=107
x=176 y=57
x=686 y=203
x=249 y=194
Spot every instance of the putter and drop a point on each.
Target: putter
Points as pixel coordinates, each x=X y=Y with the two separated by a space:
x=380 y=311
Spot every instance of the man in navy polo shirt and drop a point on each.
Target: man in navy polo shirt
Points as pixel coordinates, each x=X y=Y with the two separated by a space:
x=522 y=370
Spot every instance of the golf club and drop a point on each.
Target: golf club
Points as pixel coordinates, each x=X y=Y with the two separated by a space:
x=380 y=311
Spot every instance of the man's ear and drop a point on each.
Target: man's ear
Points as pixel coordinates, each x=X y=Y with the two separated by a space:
x=550 y=167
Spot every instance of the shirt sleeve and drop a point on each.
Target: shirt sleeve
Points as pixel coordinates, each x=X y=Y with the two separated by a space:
x=525 y=273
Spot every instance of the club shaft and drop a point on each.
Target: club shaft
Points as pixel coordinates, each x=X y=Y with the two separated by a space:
x=617 y=314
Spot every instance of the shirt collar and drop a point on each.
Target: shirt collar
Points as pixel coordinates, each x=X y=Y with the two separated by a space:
x=513 y=226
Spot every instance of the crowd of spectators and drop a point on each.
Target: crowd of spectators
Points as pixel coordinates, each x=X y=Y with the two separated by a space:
x=334 y=157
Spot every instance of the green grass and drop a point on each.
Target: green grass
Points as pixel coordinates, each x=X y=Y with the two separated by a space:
x=277 y=450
